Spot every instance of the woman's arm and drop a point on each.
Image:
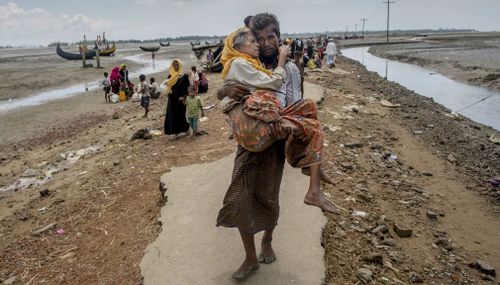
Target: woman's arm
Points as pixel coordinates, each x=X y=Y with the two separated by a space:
x=284 y=52
x=242 y=71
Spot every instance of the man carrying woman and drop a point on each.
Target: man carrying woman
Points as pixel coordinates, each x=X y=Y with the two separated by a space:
x=251 y=203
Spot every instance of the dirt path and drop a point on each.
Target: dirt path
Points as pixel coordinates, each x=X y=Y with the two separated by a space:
x=191 y=250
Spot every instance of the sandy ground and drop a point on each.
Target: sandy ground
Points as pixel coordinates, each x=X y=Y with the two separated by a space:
x=470 y=58
x=410 y=165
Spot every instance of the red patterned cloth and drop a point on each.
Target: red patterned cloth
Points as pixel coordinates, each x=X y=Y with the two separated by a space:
x=251 y=119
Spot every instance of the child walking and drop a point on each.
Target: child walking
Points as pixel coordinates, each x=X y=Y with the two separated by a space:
x=106 y=87
x=252 y=117
x=144 y=91
x=194 y=109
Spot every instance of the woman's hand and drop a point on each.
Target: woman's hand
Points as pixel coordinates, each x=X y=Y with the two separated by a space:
x=284 y=52
x=277 y=132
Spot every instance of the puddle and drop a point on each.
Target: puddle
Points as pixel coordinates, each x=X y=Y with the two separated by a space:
x=39 y=174
x=144 y=59
x=450 y=93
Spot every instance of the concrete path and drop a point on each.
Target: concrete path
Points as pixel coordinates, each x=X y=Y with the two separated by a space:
x=191 y=250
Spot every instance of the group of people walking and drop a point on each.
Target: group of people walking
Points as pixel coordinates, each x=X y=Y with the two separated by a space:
x=312 y=51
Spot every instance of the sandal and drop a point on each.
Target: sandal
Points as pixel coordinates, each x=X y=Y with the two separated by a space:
x=242 y=275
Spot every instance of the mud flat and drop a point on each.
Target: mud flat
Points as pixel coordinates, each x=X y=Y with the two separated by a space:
x=27 y=72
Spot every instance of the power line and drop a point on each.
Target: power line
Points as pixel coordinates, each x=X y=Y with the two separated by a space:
x=363 y=29
x=388 y=9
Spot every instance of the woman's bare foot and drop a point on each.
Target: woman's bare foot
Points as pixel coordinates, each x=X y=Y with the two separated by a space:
x=267 y=254
x=323 y=176
x=247 y=268
x=318 y=199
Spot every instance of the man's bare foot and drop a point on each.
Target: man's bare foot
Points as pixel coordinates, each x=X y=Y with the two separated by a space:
x=323 y=176
x=267 y=254
x=319 y=200
x=247 y=268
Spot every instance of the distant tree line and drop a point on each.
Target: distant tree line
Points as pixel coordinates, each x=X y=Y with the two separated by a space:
x=284 y=35
x=60 y=43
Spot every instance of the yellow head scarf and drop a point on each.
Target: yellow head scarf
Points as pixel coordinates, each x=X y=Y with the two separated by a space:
x=174 y=76
x=229 y=54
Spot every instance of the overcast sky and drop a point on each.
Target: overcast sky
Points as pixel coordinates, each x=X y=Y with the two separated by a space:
x=35 y=22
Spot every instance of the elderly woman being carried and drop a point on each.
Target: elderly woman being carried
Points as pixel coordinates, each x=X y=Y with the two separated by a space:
x=251 y=118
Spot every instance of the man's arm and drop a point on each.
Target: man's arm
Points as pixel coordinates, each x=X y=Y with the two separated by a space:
x=232 y=90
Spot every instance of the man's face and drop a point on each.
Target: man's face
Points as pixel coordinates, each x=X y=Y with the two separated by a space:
x=268 y=41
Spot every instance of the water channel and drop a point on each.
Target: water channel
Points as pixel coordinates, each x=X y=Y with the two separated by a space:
x=450 y=93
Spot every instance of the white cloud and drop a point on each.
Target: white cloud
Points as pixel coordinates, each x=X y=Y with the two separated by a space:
x=41 y=27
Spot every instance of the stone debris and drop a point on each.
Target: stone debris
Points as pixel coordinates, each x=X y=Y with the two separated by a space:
x=415 y=278
x=388 y=104
x=432 y=215
x=365 y=275
x=444 y=243
x=484 y=267
x=401 y=230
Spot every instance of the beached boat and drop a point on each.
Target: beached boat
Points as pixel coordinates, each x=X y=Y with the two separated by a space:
x=200 y=52
x=196 y=43
x=151 y=49
x=165 y=45
x=106 y=52
x=74 y=56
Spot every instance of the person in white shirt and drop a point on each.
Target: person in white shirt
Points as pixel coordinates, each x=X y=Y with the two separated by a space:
x=194 y=78
x=331 y=53
x=154 y=89
x=106 y=87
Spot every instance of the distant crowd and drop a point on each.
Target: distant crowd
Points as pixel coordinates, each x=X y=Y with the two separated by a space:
x=182 y=90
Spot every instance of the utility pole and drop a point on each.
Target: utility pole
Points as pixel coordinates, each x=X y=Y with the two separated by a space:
x=363 y=30
x=355 y=28
x=388 y=8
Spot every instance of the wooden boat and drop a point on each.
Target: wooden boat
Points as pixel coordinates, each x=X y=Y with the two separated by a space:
x=74 y=56
x=165 y=45
x=200 y=50
x=215 y=67
x=106 y=52
x=200 y=53
x=150 y=49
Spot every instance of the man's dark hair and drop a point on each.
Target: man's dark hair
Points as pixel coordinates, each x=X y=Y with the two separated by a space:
x=142 y=77
x=105 y=74
x=260 y=21
x=247 y=21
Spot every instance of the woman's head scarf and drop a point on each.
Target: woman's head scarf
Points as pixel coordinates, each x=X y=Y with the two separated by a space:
x=115 y=74
x=229 y=54
x=173 y=75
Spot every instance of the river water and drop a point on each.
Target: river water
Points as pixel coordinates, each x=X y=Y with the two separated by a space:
x=149 y=67
x=450 y=93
